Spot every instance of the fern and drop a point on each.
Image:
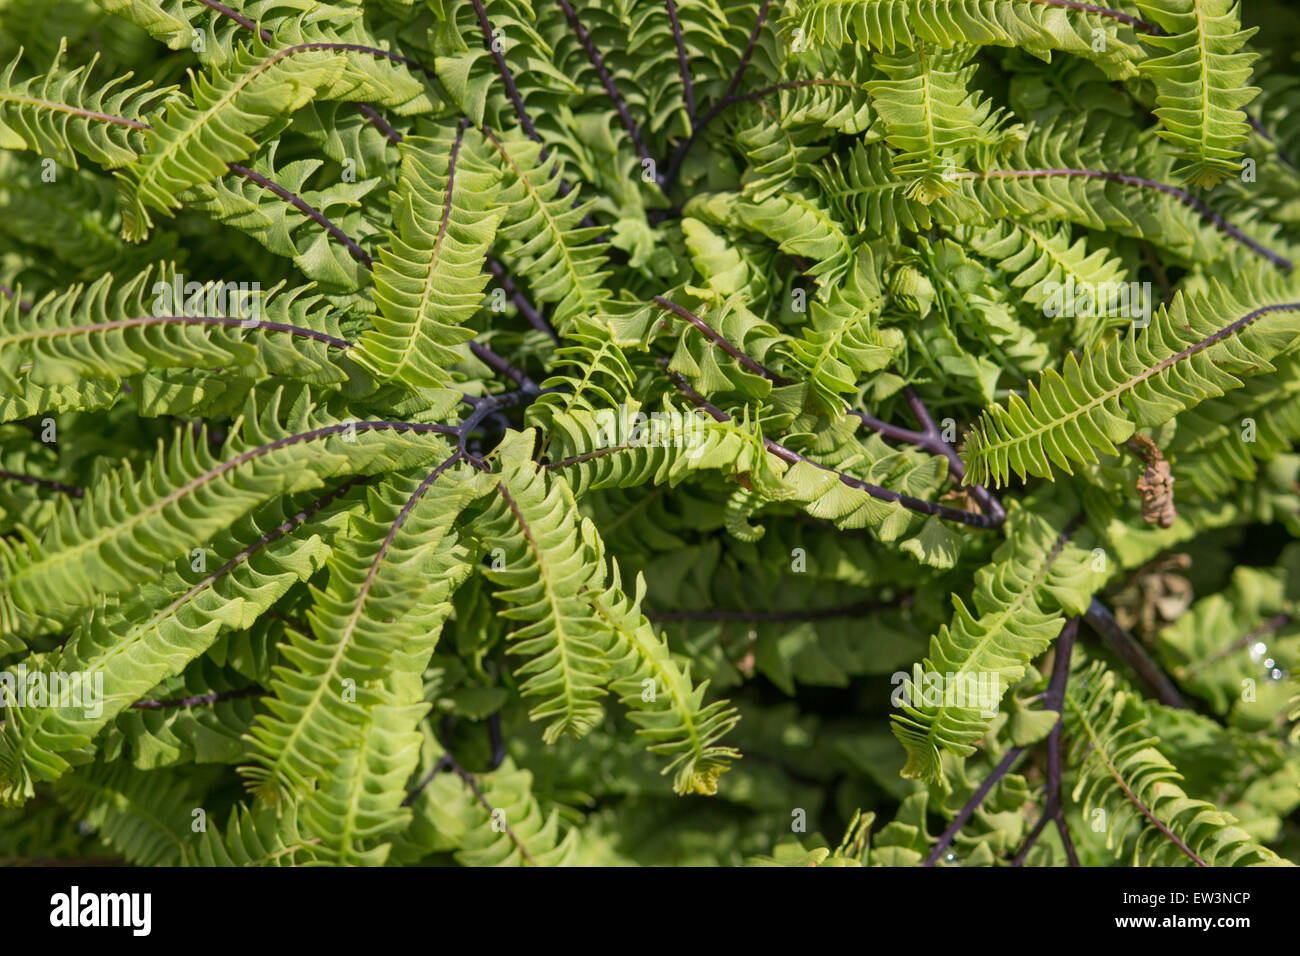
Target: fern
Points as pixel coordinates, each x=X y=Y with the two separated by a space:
x=55 y=115
x=1123 y=773
x=1188 y=354
x=930 y=118
x=1200 y=84
x=373 y=604
x=634 y=421
x=1019 y=606
x=889 y=24
x=546 y=565
x=440 y=224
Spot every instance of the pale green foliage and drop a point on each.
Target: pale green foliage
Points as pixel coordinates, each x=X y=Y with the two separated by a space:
x=1186 y=355
x=1124 y=775
x=431 y=280
x=597 y=475
x=1019 y=605
x=930 y=118
x=1201 y=83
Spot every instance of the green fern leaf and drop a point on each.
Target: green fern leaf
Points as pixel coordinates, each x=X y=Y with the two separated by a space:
x=1189 y=353
x=432 y=279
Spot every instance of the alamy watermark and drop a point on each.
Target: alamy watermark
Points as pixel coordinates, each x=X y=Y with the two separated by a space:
x=74 y=908
x=240 y=300
x=65 y=690
x=980 y=691
x=633 y=428
x=1087 y=300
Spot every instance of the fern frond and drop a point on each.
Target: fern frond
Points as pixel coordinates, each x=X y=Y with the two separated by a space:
x=1218 y=648
x=1040 y=28
x=1223 y=441
x=260 y=86
x=185 y=495
x=241 y=201
x=73 y=221
x=861 y=188
x=542 y=230
x=930 y=117
x=544 y=558
x=1044 y=263
x=257 y=837
x=387 y=588
x=1187 y=354
x=599 y=450
x=669 y=710
x=491 y=819
x=156 y=636
x=145 y=817
x=197 y=717
x=1019 y=606
x=112 y=333
x=842 y=341
x=362 y=799
x=59 y=114
x=1064 y=172
x=800 y=226
x=1201 y=84
x=195 y=140
x=30 y=399
x=1123 y=774
x=432 y=278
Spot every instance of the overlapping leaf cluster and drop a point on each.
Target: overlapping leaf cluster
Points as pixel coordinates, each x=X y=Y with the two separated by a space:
x=606 y=466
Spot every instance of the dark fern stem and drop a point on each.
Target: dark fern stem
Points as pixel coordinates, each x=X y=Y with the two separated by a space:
x=1055 y=694
x=688 y=92
x=1054 y=809
x=302 y=206
x=1135 y=22
x=679 y=157
x=968 y=809
x=607 y=81
x=765 y=617
x=1127 y=648
x=71 y=490
x=526 y=308
x=200 y=700
x=516 y=101
x=719 y=341
x=507 y=78
x=1262 y=130
x=448 y=762
x=931 y=439
x=875 y=491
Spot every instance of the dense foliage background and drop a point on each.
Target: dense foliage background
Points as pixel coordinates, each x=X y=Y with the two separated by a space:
x=594 y=432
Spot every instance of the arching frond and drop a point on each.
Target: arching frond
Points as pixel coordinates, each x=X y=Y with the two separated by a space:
x=1037 y=577
x=121 y=657
x=1037 y=27
x=331 y=716
x=1201 y=83
x=1151 y=819
x=432 y=279
x=185 y=495
x=59 y=115
x=544 y=558
x=1194 y=349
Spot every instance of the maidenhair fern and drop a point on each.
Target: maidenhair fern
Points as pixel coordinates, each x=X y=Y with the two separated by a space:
x=532 y=433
